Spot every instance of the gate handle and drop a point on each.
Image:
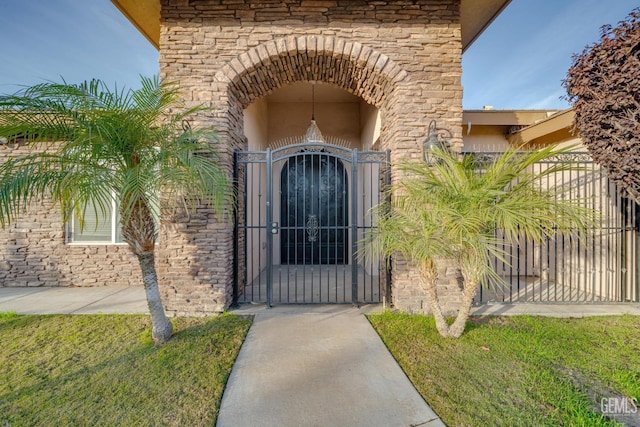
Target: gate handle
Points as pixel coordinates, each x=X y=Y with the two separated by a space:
x=274 y=227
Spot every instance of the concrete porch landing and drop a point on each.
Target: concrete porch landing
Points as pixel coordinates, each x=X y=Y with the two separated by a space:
x=312 y=284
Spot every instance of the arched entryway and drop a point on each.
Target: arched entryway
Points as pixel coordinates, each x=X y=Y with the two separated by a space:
x=409 y=71
x=303 y=207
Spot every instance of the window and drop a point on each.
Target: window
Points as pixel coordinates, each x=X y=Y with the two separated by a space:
x=99 y=227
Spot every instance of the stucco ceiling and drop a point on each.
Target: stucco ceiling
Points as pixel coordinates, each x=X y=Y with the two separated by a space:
x=476 y=15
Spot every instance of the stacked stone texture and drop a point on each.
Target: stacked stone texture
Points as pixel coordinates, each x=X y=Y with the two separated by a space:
x=404 y=57
x=34 y=252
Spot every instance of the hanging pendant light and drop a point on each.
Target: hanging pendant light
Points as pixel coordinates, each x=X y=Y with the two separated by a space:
x=313 y=135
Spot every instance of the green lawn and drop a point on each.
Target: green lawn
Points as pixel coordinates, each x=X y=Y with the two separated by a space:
x=104 y=370
x=519 y=371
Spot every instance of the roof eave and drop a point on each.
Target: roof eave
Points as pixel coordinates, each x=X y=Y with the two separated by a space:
x=475 y=17
x=485 y=16
x=144 y=15
x=556 y=128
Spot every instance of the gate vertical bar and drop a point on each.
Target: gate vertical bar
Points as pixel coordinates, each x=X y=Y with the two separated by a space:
x=636 y=267
x=236 y=225
x=354 y=226
x=623 y=250
x=269 y=227
x=387 y=196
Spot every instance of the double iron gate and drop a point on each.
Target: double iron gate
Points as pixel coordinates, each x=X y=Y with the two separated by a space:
x=303 y=212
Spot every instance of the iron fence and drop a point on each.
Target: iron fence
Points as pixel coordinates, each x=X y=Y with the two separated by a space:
x=600 y=267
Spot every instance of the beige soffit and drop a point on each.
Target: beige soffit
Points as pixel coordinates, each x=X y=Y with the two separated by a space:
x=504 y=117
x=144 y=15
x=475 y=17
x=554 y=129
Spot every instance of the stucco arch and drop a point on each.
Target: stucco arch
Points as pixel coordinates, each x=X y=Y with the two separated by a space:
x=352 y=66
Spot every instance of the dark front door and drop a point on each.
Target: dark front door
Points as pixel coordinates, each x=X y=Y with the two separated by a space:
x=314 y=210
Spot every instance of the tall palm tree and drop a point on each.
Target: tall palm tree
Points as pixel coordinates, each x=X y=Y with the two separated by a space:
x=451 y=211
x=91 y=144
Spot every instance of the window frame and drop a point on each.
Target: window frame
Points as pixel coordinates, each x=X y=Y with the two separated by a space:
x=70 y=230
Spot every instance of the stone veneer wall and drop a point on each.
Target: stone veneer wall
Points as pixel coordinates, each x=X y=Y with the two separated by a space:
x=33 y=250
x=404 y=57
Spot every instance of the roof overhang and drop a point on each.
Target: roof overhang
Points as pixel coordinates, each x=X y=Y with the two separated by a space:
x=554 y=129
x=520 y=127
x=144 y=15
x=504 y=117
x=475 y=17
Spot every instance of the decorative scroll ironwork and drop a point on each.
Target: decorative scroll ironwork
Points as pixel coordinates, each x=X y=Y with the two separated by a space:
x=312 y=227
x=252 y=156
x=372 y=156
x=571 y=157
x=576 y=157
x=302 y=213
x=291 y=150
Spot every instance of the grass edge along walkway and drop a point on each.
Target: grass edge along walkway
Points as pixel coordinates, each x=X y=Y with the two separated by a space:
x=520 y=370
x=104 y=370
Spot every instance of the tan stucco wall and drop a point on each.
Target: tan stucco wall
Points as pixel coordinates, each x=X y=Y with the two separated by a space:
x=484 y=138
x=341 y=120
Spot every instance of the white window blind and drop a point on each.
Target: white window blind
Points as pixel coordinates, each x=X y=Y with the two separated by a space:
x=99 y=227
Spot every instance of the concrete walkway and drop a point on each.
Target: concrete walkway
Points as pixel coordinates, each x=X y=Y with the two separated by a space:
x=117 y=299
x=556 y=310
x=106 y=299
x=318 y=366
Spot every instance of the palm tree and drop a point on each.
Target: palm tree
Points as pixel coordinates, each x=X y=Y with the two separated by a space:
x=91 y=144
x=450 y=211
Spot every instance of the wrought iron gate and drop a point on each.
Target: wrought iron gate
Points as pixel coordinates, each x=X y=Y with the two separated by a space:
x=302 y=211
x=602 y=268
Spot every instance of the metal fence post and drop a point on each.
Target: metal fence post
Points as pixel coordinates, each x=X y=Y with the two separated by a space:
x=354 y=227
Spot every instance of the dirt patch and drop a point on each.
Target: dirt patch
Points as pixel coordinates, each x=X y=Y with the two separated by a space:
x=604 y=400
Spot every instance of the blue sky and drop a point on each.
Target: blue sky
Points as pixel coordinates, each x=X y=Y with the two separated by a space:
x=76 y=40
x=520 y=60
x=517 y=63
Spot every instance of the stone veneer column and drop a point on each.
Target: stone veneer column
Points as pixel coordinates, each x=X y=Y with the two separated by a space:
x=404 y=57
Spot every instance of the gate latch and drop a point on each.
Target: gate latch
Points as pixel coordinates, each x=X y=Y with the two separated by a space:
x=274 y=228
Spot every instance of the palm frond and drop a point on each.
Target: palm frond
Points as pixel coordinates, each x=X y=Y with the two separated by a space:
x=101 y=142
x=455 y=208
